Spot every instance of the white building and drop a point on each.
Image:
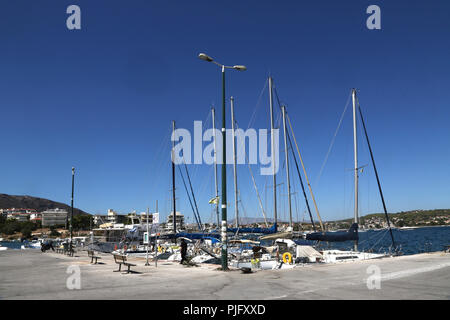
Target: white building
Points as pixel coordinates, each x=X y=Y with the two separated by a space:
x=144 y=218
x=53 y=217
x=19 y=214
x=180 y=221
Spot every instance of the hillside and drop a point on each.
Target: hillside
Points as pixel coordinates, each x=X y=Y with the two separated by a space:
x=39 y=204
x=414 y=218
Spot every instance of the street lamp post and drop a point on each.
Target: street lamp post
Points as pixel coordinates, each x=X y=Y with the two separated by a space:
x=207 y=58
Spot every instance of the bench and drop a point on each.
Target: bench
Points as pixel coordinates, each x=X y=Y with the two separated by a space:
x=122 y=260
x=92 y=255
x=59 y=250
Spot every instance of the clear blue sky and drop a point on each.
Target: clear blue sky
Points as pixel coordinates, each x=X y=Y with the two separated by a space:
x=102 y=98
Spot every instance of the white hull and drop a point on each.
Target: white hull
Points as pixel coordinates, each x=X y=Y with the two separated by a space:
x=338 y=256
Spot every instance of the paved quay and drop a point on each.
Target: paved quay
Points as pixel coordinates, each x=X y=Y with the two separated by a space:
x=31 y=274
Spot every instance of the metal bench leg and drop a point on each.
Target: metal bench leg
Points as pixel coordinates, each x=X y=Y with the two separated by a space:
x=120 y=266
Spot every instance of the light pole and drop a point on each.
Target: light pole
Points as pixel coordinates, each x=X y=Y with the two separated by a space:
x=224 y=168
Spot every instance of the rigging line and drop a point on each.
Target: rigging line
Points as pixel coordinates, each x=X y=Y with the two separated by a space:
x=306 y=176
x=332 y=142
x=298 y=171
x=258 y=104
x=189 y=197
x=197 y=217
x=253 y=179
x=376 y=175
x=204 y=123
x=193 y=197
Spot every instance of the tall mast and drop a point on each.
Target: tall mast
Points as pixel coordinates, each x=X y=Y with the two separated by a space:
x=355 y=146
x=223 y=232
x=173 y=183
x=272 y=144
x=215 y=166
x=283 y=109
x=71 y=211
x=234 y=166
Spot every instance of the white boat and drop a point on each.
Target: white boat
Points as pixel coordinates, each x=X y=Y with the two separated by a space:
x=335 y=256
x=3 y=248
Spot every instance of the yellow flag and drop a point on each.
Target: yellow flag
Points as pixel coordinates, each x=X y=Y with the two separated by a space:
x=214 y=200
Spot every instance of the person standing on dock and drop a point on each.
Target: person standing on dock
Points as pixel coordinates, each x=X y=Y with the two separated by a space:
x=183 y=251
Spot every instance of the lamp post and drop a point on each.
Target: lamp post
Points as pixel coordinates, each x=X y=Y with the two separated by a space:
x=207 y=58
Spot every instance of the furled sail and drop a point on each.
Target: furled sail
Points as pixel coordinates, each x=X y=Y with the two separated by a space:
x=272 y=229
x=339 y=236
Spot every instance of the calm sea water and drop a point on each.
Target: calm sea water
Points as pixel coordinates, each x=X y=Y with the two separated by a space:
x=410 y=241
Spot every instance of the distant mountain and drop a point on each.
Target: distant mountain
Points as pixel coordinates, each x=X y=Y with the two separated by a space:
x=39 y=204
x=377 y=220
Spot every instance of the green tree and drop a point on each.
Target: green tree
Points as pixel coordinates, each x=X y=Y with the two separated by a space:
x=54 y=232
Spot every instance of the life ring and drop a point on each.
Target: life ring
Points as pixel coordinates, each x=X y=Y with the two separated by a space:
x=287 y=257
x=115 y=247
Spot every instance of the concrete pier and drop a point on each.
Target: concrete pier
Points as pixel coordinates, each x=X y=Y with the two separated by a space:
x=31 y=274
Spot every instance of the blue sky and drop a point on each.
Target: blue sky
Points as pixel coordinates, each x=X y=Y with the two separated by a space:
x=102 y=98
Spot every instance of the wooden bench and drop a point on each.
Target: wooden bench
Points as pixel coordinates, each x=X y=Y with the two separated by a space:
x=92 y=255
x=59 y=250
x=122 y=260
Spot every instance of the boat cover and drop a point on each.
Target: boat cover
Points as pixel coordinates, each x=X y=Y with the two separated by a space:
x=339 y=236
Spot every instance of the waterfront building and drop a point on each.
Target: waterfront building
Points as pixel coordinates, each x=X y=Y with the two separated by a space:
x=19 y=214
x=180 y=221
x=53 y=217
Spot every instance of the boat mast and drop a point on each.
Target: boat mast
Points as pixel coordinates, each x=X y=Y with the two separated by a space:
x=273 y=153
x=173 y=183
x=355 y=146
x=236 y=209
x=283 y=109
x=215 y=166
x=148 y=241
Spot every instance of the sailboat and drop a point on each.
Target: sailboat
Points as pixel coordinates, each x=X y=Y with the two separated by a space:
x=254 y=230
x=352 y=233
